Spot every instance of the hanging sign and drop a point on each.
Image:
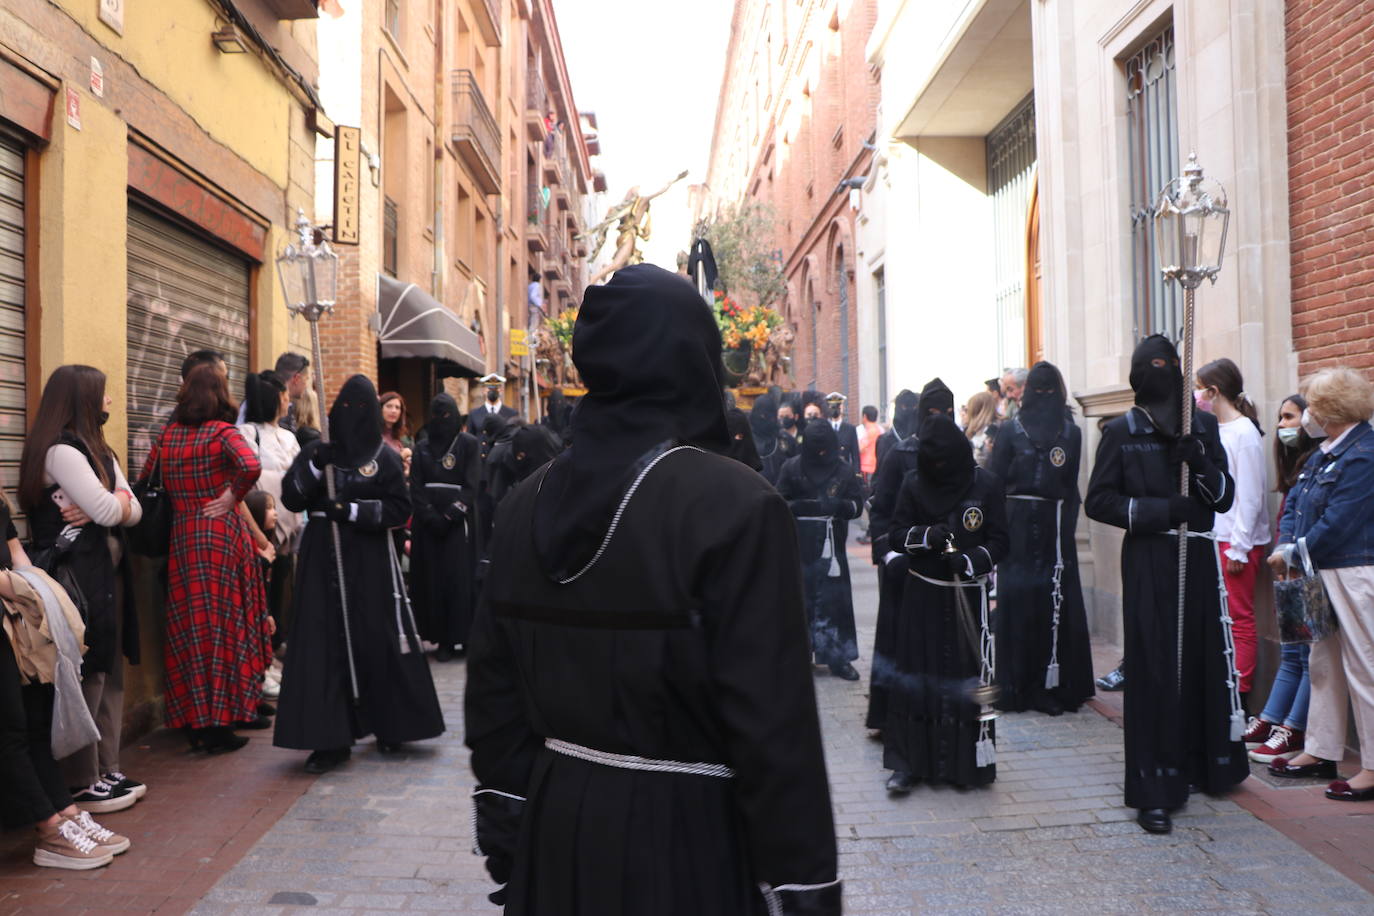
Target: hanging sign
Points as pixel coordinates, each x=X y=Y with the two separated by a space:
x=348 y=164
x=518 y=343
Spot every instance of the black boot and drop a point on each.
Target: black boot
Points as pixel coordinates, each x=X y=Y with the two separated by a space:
x=1154 y=820
x=900 y=783
x=443 y=654
x=220 y=739
x=324 y=761
x=844 y=670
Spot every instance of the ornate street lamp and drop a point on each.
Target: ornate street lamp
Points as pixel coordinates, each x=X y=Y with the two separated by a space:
x=1191 y=219
x=309 y=274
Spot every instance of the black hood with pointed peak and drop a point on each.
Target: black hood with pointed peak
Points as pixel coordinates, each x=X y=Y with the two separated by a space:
x=355 y=423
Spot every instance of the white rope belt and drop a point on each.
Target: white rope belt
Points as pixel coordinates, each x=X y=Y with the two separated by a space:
x=985 y=752
x=1057 y=587
x=1232 y=676
x=646 y=764
x=827 y=551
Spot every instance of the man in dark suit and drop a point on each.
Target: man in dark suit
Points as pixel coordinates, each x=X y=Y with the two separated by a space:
x=493 y=406
x=847 y=433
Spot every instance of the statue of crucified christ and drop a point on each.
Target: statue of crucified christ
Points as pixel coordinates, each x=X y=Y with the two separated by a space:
x=632 y=216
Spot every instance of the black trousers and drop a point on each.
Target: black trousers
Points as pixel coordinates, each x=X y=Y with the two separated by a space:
x=34 y=789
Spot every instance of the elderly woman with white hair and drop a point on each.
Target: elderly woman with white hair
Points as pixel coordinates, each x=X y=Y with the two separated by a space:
x=1331 y=512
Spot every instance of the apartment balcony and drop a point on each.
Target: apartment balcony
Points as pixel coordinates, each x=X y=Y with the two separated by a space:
x=476 y=138
x=536 y=233
x=536 y=105
x=488 y=16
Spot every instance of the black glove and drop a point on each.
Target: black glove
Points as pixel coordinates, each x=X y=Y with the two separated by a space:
x=1191 y=451
x=808 y=507
x=1186 y=510
x=338 y=511
x=456 y=511
x=957 y=563
x=937 y=535
x=322 y=455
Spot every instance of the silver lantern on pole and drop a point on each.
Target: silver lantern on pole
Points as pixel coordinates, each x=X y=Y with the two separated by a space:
x=309 y=272
x=1191 y=219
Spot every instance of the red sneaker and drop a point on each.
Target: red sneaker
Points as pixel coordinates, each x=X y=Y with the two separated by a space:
x=1256 y=732
x=1283 y=743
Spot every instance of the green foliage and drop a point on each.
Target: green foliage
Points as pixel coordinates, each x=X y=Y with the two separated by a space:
x=742 y=239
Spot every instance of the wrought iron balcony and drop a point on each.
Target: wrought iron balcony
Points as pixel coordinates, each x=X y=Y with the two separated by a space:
x=475 y=135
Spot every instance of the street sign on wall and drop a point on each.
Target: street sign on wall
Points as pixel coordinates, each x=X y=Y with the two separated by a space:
x=518 y=344
x=348 y=163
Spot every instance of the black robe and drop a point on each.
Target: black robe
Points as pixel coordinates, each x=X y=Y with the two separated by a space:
x=822 y=514
x=685 y=641
x=397 y=701
x=848 y=435
x=892 y=566
x=1041 y=482
x=443 y=543
x=1172 y=738
x=932 y=726
x=478 y=418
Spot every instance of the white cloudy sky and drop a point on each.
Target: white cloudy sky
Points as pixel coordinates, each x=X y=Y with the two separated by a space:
x=651 y=71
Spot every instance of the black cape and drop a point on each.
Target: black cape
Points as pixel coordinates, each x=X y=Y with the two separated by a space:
x=444 y=537
x=892 y=566
x=685 y=641
x=397 y=699
x=932 y=726
x=1172 y=739
x=822 y=509
x=1041 y=483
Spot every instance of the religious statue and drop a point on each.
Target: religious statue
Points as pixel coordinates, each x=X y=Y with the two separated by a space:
x=632 y=218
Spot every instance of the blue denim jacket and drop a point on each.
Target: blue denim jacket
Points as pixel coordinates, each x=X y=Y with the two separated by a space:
x=1332 y=504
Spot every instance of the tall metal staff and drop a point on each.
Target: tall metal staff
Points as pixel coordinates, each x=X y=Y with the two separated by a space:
x=1191 y=217
x=309 y=278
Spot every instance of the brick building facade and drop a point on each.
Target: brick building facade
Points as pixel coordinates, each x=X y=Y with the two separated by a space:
x=796 y=115
x=1330 y=58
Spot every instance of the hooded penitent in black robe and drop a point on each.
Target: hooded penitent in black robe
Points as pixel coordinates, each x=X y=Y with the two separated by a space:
x=639 y=700
x=932 y=730
x=741 y=440
x=763 y=425
x=531 y=448
x=904 y=418
x=1173 y=737
x=396 y=701
x=444 y=475
x=1044 y=660
x=823 y=494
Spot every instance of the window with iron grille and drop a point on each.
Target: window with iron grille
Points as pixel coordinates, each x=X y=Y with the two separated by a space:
x=1152 y=120
x=1011 y=169
x=390 y=227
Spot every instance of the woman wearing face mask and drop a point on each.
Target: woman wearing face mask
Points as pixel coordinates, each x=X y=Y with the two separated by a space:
x=1329 y=513
x=1277 y=732
x=74 y=492
x=1243 y=530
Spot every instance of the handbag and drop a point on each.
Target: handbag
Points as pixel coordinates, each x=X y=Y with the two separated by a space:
x=55 y=560
x=1302 y=605
x=152 y=536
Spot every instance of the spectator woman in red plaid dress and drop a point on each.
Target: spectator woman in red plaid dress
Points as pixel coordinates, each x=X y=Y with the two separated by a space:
x=218 y=630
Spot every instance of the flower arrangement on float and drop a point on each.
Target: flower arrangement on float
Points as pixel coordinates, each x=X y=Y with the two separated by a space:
x=745 y=333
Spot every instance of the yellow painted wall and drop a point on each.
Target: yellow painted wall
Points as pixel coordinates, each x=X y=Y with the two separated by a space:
x=83 y=216
x=169 y=42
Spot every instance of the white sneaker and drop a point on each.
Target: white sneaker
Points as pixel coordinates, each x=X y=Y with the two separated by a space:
x=68 y=846
x=107 y=839
x=271 y=689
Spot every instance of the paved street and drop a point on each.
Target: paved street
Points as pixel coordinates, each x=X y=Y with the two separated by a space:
x=1049 y=836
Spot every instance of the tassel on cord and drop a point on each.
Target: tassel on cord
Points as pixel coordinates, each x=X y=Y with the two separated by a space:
x=397 y=594
x=1057 y=595
x=985 y=751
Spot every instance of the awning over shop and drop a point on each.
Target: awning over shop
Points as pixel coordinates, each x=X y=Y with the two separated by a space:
x=414 y=324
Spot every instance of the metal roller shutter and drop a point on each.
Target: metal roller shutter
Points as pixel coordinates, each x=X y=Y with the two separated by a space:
x=185 y=294
x=12 y=394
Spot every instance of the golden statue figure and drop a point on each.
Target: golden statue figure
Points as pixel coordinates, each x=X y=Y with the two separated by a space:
x=632 y=217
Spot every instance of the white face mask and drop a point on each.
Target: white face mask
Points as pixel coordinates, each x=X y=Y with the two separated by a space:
x=1314 y=429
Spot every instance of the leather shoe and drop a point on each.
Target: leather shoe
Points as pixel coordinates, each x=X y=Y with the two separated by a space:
x=1340 y=790
x=443 y=654
x=900 y=783
x=1112 y=680
x=1154 y=820
x=1322 y=769
x=324 y=761
x=845 y=670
